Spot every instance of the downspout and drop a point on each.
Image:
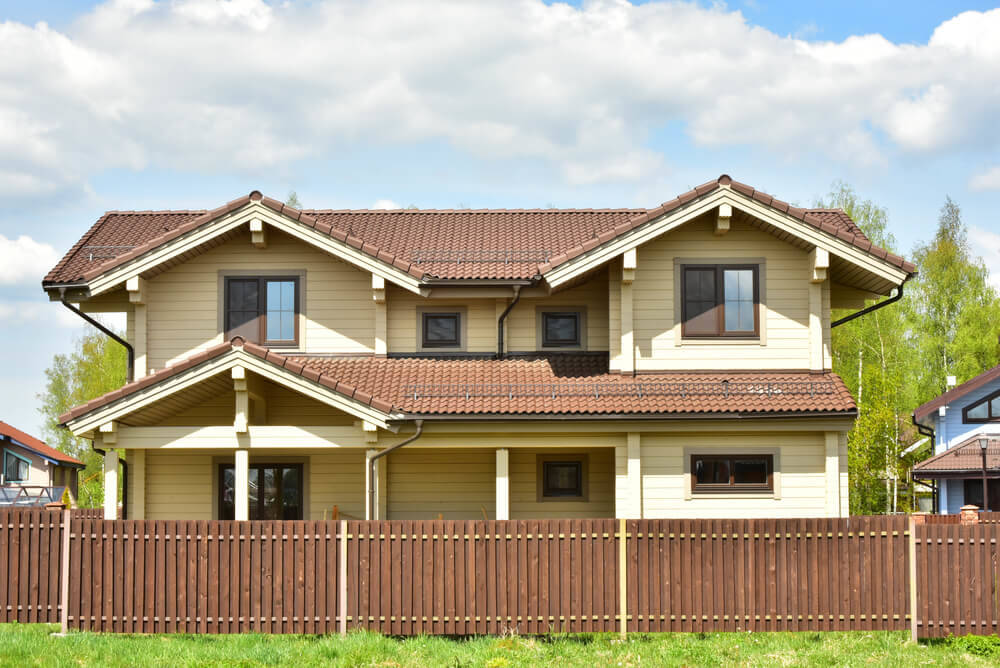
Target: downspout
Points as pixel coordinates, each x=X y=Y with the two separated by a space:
x=130 y=371
x=129 y=377
x=383 y=453
x=503 y=316
x=873 y=307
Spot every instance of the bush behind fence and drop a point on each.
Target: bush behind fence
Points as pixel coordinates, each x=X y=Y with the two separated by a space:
x=492 y=577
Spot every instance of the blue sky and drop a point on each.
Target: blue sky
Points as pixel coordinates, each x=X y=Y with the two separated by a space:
x=132 y=104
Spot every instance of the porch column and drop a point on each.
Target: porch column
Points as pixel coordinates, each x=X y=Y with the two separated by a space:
x=832 y=447
x=627 y=324
x=503 y=484
x=628 y=478
x=137 y=477
x=110 y=484
x=381 y=470
x=241 y=485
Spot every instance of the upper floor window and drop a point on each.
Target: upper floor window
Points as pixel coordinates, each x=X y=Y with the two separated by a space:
x=720 y=300
x=441 y=330
x=984 y=410
x=561 y=329
x=263 y=310
x=15 y=467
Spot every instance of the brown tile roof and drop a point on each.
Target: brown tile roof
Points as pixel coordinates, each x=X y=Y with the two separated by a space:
x=570 y=384
x=923 y=411
x=33 y=444
x=966 y=456
x=447 y=244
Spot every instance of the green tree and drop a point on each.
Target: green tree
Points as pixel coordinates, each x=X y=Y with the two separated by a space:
x=955 y=311
x=97 y=365
x=871 y=355
x=293 y=200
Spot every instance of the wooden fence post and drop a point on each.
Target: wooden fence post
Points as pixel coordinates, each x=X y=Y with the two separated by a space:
x=343 y=577
x=913 y=521
x=622 y=579
x=64 y=571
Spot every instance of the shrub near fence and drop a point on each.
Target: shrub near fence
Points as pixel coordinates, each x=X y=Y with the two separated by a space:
x=490 y=577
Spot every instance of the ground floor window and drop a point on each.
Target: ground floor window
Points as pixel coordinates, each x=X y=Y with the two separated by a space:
x=275 y=491
x=974 y=493
x=721 y=474
x=562 y=477
x=15 y=467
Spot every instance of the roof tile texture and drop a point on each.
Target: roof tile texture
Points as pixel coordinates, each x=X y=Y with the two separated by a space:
x=966 y=456
x=539 y=239
x=36 y=445
x=580 y=382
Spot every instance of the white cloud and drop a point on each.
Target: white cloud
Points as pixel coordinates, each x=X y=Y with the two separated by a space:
x=24 y=260
x=26 y=312
x=385 y=204
x=251 y=85
x=987 y=180
x=987 y=244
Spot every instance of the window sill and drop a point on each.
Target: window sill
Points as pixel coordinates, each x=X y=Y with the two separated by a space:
x=730 y=495
x=722 y=341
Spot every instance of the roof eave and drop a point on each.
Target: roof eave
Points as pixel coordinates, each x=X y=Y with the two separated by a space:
x=644 y=417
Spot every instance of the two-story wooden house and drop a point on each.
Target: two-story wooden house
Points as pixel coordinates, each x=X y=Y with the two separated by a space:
x=501 y=363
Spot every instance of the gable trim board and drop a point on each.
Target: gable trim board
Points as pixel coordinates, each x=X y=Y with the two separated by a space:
x=191 y=236
x=656 y=223
x=813 y=227
x=926 y=410
x=146 y=391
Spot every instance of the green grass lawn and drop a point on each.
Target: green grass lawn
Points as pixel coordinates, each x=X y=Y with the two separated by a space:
x=25 y=645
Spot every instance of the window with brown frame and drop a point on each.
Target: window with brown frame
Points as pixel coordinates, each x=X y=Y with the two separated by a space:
x=263 y=309
x=562 y=479
x=720 y=300
x=560 y=329
x=984 y=410
x=274 y=491
x=726 y=474
x=441 y=330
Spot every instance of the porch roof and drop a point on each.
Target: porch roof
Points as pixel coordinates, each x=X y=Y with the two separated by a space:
x=964 y=458
x=559 y=384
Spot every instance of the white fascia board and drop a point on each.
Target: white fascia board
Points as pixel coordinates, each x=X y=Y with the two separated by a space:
x=154 y=393
x=243 y=216
x=673 y=219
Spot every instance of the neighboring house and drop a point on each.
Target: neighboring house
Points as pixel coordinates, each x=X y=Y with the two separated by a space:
x=28 y=462
x=960 y=420
x=672 y=362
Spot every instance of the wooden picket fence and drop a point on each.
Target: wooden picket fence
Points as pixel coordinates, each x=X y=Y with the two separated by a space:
x=491 y=577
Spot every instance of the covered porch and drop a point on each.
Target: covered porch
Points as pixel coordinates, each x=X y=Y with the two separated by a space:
x=963 y=473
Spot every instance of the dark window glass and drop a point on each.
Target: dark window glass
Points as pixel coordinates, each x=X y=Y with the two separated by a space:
x=263 y=310
x=562 y=478
x=974 y=493
x=441 y=330
x=275 y=492
x=719 y=300
x=731 y=473
x=985 y=410
x=15 y=469
x=561 y=329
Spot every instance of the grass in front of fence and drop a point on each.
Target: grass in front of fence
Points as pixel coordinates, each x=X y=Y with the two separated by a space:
x=23 y=645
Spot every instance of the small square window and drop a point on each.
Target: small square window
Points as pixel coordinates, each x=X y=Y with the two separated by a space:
x=442 y=330
x=560 y=329
x=562 y=479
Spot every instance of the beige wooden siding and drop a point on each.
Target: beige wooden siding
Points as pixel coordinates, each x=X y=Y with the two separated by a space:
x=403 y=325
x=183 y=484
x=800 y=461
x=457 y=484
x=785 y=292
x=180 y=484
x=592 y=296
x=524 y=503
x=337 y=478
x=183 y=313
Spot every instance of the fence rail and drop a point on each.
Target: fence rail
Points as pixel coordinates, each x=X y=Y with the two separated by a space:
x=491 y=577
